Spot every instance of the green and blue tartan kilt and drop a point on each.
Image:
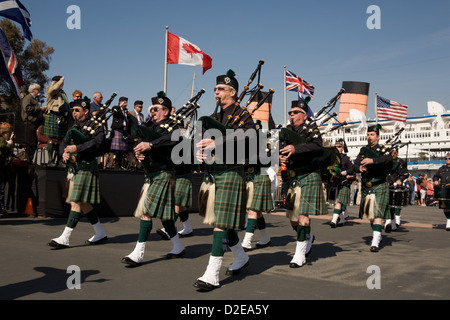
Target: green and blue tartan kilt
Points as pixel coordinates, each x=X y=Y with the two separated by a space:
x=230 y=198
x=183 y=190
x=160 y=200
x=86 y=188
x=343 y=195
x=312 y=199
x=381 y=207
x=262 y=195
x=118 y=143
x=51 y=128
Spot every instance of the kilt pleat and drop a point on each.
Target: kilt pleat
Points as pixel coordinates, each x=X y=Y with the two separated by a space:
x=118 y=143
x=86 y=188
x=312 y=200
x=381 y=207
x=343 y=196
x=160 y=200
x=230 y=199
x=183 y=191
x=262 y=196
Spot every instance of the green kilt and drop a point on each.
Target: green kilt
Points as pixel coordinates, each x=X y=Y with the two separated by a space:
x=230 y=197
x=312 y=200
x=262 y=196
x=381 y=206
x=343 y=195
x=51 y=128
x=183 y=190
x=86 y=187
x=160 y=200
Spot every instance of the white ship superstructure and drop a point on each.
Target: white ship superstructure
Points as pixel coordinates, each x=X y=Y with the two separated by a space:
x=424 y=140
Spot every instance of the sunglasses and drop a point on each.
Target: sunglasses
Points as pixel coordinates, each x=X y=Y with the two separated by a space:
x=220 y=88
x=447 y=158
x=156 y=109
x=294 y=112
x=77 y=110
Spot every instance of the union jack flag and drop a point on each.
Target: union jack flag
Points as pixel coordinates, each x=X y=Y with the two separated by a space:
x=9 y=67
x=295 y=83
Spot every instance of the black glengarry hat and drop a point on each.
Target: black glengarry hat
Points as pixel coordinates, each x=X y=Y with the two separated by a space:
x=162 y=100
x=82 y=103
x=300 y=104
x=229 y=79
x=376 y=128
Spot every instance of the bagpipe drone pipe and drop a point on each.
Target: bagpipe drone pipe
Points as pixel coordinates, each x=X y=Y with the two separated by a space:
x=237 y=121
x=77 y=135
x=176 y=121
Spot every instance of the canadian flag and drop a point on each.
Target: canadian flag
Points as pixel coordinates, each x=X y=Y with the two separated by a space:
x=180 y=51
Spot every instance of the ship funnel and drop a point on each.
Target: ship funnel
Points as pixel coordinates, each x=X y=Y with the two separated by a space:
x=355 y=97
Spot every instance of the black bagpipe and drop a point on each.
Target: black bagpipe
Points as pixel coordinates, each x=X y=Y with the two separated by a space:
x=146 y=134
x=328 y=159
x=237 y=121
x=78 y=135
x=385 y=149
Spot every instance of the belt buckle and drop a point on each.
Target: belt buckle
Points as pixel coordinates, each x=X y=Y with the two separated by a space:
x=369 y=184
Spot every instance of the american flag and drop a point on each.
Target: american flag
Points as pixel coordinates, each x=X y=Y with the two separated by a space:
x=9 y=67
x=390 y=110
x=295 y=83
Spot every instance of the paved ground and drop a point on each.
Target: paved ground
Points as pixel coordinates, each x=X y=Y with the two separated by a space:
x=413 y=262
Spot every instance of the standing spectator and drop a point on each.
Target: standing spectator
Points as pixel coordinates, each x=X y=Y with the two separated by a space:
x=76 y=95
x=409 y=184
x=423 y=191
x=6 y=149
x=137 y=112
x=430 y=192
x=97 y=103
x=32 y=118
x=56 y=118
x=120 y=128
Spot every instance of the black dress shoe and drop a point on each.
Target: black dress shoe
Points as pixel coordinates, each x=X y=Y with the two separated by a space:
x=185 y=235
x=258 y=245
x=235 y=272
x=204 y=286
x=163 y=234
x=57 y=245
x=373 y=249
x=174 y=256
x=388 y=228
x=294 y=265
x=130 y=262
x=100 y=241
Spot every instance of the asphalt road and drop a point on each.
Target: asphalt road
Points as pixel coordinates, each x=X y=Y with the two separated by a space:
x=412 y=264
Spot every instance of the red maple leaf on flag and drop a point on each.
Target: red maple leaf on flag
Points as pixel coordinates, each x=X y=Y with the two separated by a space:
x=189 y=48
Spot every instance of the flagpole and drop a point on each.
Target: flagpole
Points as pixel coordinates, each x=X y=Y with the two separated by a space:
x=193 y=84
x=285 y=111
x=165 y=60
x=376 y=109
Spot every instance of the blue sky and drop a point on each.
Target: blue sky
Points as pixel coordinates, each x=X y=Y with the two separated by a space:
x=120 y=47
